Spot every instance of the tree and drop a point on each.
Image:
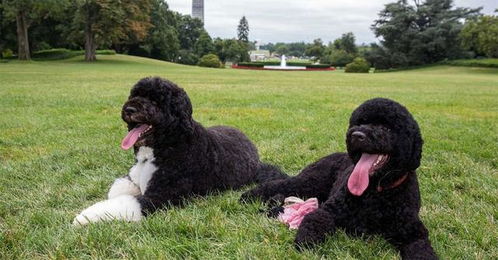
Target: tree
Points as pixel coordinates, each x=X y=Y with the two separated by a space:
x=337 y=58
x=231 y=50
x=243 y=30
x=204 y=45
x=189 y=30
x=424 y=32
x=162 y=40
x=282 y=49
x=316 y=49
x=25 y=12
x=7 y=33
x=103 y=22
x=346 y=43
x=481 y=36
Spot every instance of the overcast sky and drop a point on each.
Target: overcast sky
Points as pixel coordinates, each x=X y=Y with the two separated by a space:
x=298 y=20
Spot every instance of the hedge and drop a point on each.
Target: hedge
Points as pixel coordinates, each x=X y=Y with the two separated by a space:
x=59 y=54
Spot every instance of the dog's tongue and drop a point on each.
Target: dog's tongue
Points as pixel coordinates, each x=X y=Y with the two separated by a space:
x=358 y=181
x=132 y=136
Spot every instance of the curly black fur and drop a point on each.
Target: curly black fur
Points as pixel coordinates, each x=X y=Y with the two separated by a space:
x=390 y=204
x=191 y=159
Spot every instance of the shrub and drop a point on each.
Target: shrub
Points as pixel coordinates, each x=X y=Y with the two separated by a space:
x=210 y=61
x=55 y=54
x=251 y=64
x=359 y=65
x=338 y=58
x=105 y=52
x=187 y=57
x=61 y=53
x=7 y=53
x=318 y=66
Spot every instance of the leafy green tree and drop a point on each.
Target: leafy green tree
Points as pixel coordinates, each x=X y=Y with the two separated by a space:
x=337 y=58
x=189 y=30
x=7 y=33
x=269 y=47
x=204 y=45
x=231 y=50
x=243 y=30
x=346 y=43
x=236 y=51
x=219 y=48
x=316 y=49
x=282 y=49
x=104 y=22
x=25 y=12
x=162 y=40
x=187 y=57
x=422 y=32
x=481 y=36
x=296 y=49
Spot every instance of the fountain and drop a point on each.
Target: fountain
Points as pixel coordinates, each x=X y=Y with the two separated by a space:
x=283 y=65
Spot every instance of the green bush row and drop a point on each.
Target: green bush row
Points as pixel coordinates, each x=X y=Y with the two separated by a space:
x=486 y=63
x=59 y=54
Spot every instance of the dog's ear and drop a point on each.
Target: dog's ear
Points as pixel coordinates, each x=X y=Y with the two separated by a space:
x=181 y=108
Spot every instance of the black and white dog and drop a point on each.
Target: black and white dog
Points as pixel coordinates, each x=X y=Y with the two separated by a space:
x=176 y=157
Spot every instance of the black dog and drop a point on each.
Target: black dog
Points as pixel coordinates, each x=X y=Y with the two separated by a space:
x=176 y=157
x=372 y=189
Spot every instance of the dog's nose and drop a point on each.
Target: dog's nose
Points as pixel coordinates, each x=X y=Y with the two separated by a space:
x=130 y=110
x=358 y=136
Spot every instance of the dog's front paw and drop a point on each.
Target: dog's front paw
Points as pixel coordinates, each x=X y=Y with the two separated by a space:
x=307 y=239
x=314 y=229
x=86 y=216
x=124 y=207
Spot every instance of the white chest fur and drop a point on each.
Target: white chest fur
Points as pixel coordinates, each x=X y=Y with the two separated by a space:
x=142 y=171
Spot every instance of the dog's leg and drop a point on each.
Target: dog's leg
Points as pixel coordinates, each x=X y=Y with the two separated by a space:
x=123 y=186
x=414 y=242
x=314 y=228
x=124 y=207
x=318 y=224
x=315 y=180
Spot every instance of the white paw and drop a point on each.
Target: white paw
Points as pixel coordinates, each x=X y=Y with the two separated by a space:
x=123 y=186
x=124 y=207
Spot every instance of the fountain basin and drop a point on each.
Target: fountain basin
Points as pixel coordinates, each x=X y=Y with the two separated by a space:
x=284 y=68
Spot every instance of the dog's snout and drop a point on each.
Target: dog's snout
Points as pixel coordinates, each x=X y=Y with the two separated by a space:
x=130 y=110
x=358 y=136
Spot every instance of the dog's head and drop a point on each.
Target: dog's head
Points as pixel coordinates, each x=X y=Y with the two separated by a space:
x=157 y=110
x=383 y=141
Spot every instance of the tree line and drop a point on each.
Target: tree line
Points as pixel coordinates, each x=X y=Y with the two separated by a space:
x=410 y=33
x=136 y=27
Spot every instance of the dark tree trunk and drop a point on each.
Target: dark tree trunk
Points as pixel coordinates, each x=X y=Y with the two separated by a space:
x=22 y=36
x=90 y=46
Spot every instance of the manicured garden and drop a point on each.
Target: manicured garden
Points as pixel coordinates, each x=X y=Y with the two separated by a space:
x=60 y=131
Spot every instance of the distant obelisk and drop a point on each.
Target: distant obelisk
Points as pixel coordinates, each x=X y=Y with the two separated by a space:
x=198 y=9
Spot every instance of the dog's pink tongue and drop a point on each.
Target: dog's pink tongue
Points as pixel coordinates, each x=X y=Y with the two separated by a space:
x=358 y=181
x=132 y=136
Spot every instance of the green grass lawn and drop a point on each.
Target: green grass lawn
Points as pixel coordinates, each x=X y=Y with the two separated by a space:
x=60 y=131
